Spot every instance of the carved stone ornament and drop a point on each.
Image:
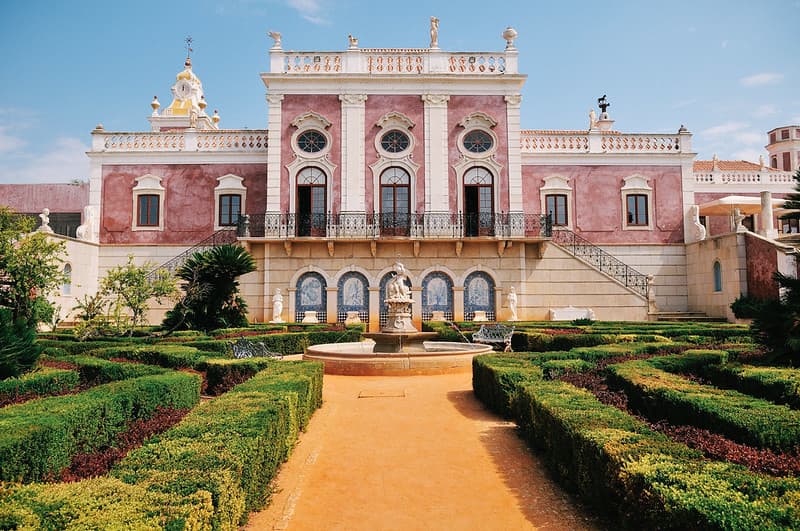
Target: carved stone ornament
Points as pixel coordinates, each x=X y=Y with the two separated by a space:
x=311 y=119
x=514 y=99
x=436 y=99
x=353 y=99
x=395 y=120
x=274 y=98
x=477 y=119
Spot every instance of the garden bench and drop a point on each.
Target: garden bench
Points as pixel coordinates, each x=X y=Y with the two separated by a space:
x=247 y=348
x=495 y=334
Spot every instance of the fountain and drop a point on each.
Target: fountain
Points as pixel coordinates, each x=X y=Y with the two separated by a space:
x=399 y=348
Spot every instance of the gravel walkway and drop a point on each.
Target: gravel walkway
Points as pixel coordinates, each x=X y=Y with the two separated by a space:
x=414 y=452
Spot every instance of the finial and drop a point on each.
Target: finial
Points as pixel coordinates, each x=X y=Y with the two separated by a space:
x=189 y=49
x=682 y=129
x=215 y=118
x=509 y=35
x=761 y=161
x=155 y=105
x=99 y=127
x=202 y=104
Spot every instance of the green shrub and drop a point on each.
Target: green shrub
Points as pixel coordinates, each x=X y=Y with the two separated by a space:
x=740 y=417
x=231 y=446
x=495 y=378
x=100 y=503
x=555 y=368
x=747 y=307
x=40 y=437
x=42 y=381
x=775 y=384
x=689 y=361
x=96 y=371
x=170 y=356
x=79 y=347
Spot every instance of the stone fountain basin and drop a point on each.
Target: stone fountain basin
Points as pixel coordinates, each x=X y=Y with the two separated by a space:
x=426 y=357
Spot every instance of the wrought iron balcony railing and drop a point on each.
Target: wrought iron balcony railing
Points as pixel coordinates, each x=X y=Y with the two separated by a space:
x=428 y=225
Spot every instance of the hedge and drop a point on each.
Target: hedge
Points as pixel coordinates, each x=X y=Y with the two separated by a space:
x=77 y=347
x=621 y=466
x=495 y=378
x=40 y=437
x=689 y=361
x=287 y=343
x=230 y=446
x=100 y=503
x=42 y=381
x=96 y=371
x=738 y=416
x=167 y=355
x=780 y=385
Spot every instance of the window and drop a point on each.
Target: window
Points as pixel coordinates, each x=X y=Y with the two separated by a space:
x=311 y=141
x=478 y=202
x=311 y=202
x=637 y=204
x=478 y=141
x=395 y=202
x=772 y=138
x=230 y=208
x=637 y=210
x=556 y=205
x=147 y=212
x=774 y=162
x=148 y=204
x=785 y=134
x=717 y=276
x=395 y=141
x=790 y=226
x=787 y=161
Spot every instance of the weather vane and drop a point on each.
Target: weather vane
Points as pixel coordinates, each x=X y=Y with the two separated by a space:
x=189 y=46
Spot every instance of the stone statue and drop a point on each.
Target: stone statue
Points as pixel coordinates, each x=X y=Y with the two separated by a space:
x=277 y=306
x=353 y=41
x=84 y=231
x=45 y=217
x=396 y=289
x=512 y=303
x=434 y=32
x=738 y=217
x=592 y=119
x=276 y=36
x=651 y=294
x=603 y=104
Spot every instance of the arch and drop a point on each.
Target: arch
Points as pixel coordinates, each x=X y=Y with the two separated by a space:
x=353 y=268
x=66 y=287
x=312 y=202
x=311 y=294
x=352 y=296
x=437 y=295
x=717 y=276
x=479 y=293
x=479 y=201
x=395 y=201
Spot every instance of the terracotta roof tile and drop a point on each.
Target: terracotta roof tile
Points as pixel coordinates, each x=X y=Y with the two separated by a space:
x=728 y=165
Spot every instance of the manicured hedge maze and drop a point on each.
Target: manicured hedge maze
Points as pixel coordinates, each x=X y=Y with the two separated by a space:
x=617 y=462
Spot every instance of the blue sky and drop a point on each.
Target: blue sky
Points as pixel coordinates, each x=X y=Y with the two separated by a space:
x=728 y=70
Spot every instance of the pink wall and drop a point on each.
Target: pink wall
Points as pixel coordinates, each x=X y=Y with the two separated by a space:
x=32 y=198
x=597 y=200
x=411 y=106
x=329 y=106
x=762 y=263
x=189 y=200
x=457 y=109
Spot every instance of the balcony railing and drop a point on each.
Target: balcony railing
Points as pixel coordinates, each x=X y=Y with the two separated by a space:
x=370 y=226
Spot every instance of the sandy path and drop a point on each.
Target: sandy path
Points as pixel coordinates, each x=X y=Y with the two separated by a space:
x=410 y=453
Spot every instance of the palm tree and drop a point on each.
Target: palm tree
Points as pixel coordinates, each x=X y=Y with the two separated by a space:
x=211 y=290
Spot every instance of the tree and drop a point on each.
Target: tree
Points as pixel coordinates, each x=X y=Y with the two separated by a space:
x=211 y=298
x=777 y=325
x=132 y=286
x=30 y=267
x=792 y=201
x=18 y=353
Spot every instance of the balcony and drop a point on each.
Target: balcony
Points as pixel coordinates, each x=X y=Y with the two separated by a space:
x=378 y=226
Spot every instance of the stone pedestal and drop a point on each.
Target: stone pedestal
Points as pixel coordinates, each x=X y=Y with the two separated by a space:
x=310 y=316
x=437 y=315
x=352 y=318
x=480 y=315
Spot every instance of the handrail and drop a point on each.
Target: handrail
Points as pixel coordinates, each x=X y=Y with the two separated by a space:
x=588 y=252
x=220 y=237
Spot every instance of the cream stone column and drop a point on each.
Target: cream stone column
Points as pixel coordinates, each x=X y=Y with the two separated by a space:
x=274 y=155
x=514 y=153
x=437 y=195
x=331 y=306
x=374 y=309
x=353 y=132
x=292 y=309
x=767 y=222
x=416 y=313
x=458 y=303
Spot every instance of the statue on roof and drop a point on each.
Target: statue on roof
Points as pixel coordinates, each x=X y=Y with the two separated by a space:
x=603 y=104
x=434 y=32
x=275 y=36
x=353 y=41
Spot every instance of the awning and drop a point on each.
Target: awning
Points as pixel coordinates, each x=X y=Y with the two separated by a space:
x=724 y=206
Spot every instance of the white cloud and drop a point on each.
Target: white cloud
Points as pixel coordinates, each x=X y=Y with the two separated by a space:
x=750 y=137
x=724 y=44
x=749 y=154
x=311 y=10
x=764 y=78
x=9 y=143
x=63 y=162
x=683 y=103
x=724 y=129
x=762 y=111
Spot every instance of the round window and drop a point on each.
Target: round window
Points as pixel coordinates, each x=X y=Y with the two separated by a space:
x=311 y=141
x=478 y=141
x=395 y=141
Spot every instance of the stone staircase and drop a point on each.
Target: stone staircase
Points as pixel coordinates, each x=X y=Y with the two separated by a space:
x=220 y=237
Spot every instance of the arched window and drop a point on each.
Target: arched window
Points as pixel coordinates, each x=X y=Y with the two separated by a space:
x=353 y=296
x=717 y=276
x=478 y=202
x=437 y=295
x=311 y=295
x=395 y=202
x=311 y=202
x=66 y=287
x=479 y=295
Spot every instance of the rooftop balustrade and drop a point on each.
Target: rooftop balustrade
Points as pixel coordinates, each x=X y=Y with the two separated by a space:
x=231 y=141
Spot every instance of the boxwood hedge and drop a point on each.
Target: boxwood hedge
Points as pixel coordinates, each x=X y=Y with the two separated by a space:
x=42 y=381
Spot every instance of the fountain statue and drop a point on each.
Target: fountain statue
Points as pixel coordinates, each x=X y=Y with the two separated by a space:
x=399 y=348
